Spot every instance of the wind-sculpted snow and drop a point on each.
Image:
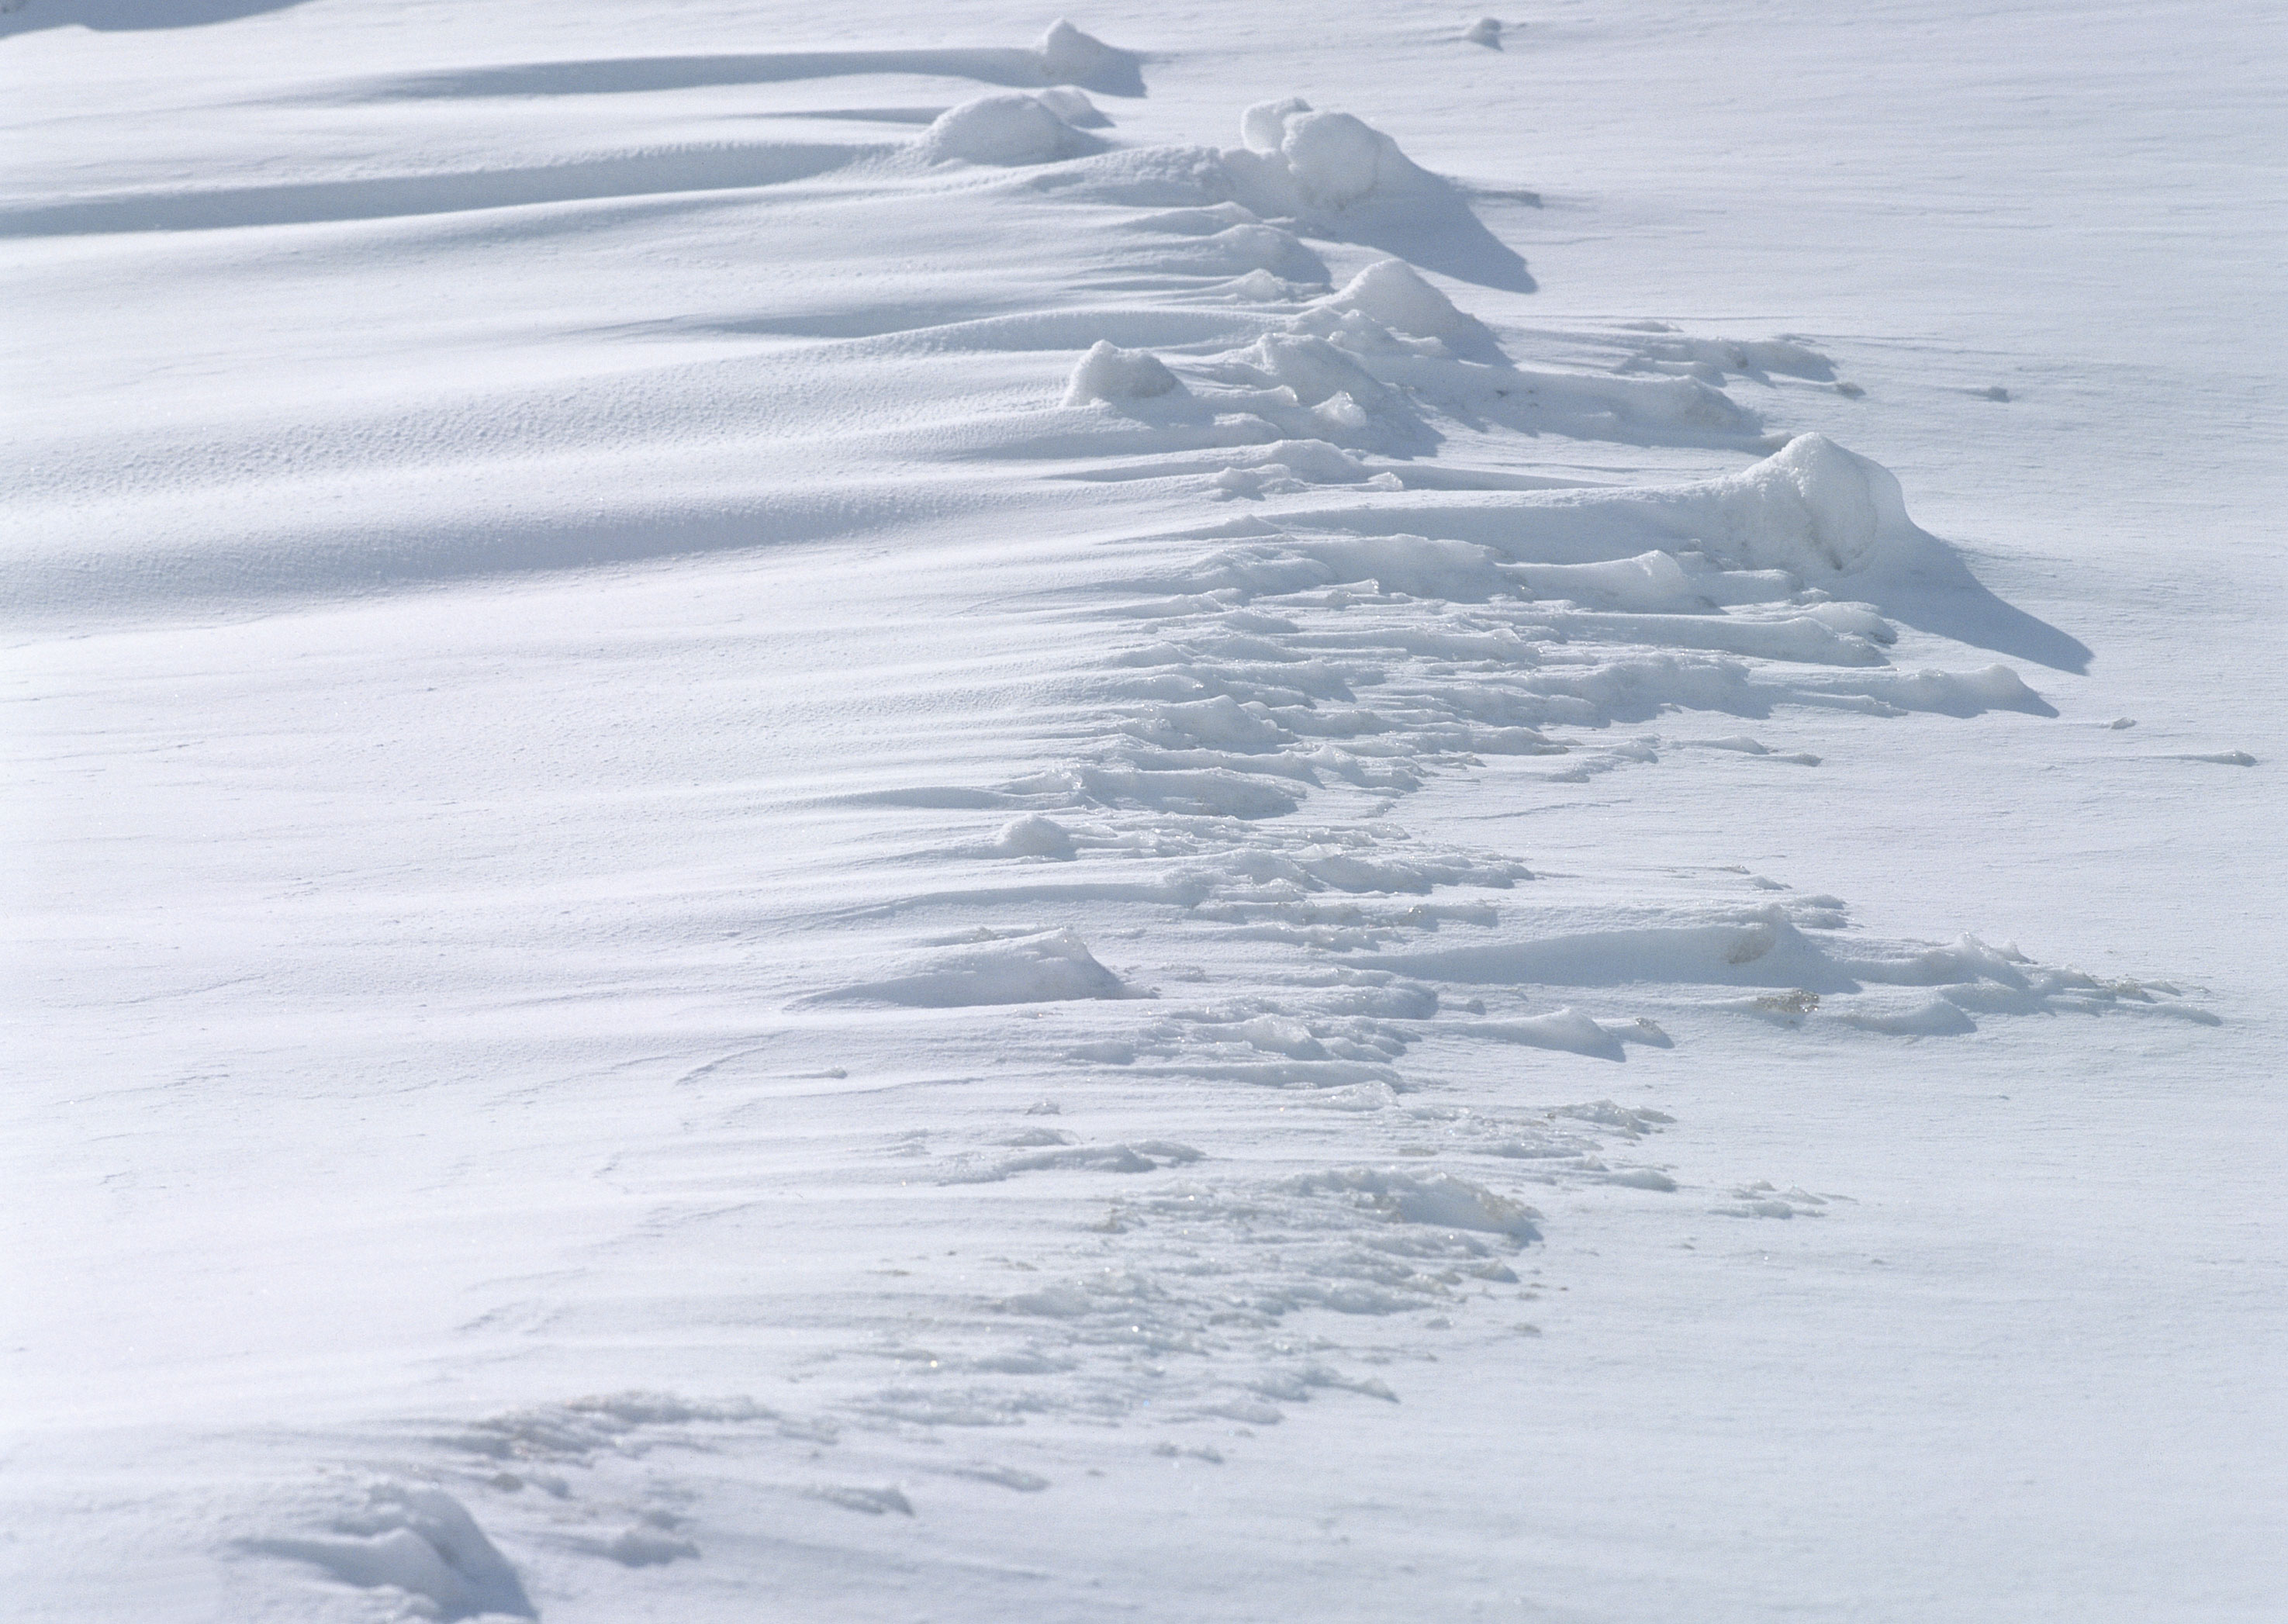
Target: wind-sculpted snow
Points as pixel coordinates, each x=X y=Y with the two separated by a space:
x=1064 y=56
x=943 y=739
x=422 y=1542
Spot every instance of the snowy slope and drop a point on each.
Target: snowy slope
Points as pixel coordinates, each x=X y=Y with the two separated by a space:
x=893 y=816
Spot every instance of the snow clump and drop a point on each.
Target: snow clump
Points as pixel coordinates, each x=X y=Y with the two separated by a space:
x=1299 y=161
x=1109 y=373
x=1034 y=835
x=1392 y=293
x=1814 y=505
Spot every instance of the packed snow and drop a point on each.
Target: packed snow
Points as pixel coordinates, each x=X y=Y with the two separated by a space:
x=953 y=815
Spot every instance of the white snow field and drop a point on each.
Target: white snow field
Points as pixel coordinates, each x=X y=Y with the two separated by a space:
x=1232 y=812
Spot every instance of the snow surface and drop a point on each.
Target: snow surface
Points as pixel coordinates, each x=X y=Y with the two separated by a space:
x=1214 y=814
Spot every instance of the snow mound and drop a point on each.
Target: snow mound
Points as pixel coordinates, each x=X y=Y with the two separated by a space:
x=1565 y=1029
x=1263 y=126
x=1006 y=130
x=1392 y=292
x=1034 y=835
x=1935 y=1017
x=1485 y=31
x=421 y=1541
x=1051 y=967
x=1071 y=57
x=1335 y=175
x=1074 y=107
x=1315 y=370
x=1437 y=1199
x=1814 y=505
x=1301 y=161
x=1650 y=584
x=1109 y=373
x=1757 y=948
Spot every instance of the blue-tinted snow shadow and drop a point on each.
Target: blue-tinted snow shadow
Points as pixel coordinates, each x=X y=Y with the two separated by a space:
x=1925 y=584
x=1935 y=591
x=651 y=175
x=1117 y=74
x=117 y=16
x=1431 y=225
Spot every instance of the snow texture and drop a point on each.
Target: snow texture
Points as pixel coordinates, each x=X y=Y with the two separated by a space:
x=810 y=820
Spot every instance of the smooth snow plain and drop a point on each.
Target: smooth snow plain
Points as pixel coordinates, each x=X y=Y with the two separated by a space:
x=1214 y=814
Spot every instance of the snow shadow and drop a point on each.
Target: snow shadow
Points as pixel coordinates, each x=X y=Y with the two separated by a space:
x=113 y=16
x=1434 y=227
x=1111 y=73
x=653 y=174
x=1938 y=594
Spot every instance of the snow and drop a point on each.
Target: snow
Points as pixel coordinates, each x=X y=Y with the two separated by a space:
x=1006 y=130
x=807 y=817
x=1109 y=373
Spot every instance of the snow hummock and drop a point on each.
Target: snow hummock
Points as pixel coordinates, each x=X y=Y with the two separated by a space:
x=1034 y=835
x=1046 y=968
x=1396 y=295
x=1071 y=57
x=1298 y=160
x=1005 y=130
x=1814 y=506
x=418 y=1541
x=1109 y=373
x=1441 y=1199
